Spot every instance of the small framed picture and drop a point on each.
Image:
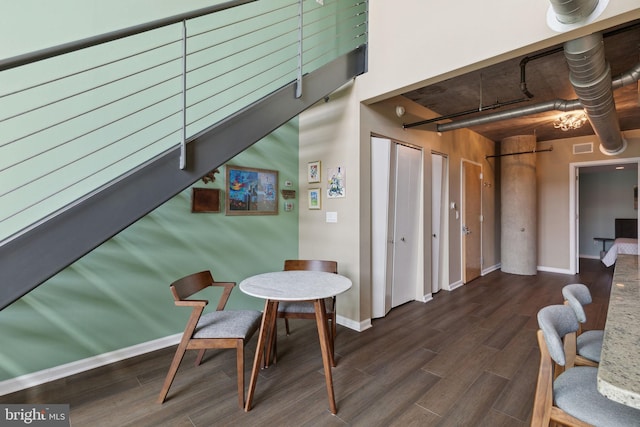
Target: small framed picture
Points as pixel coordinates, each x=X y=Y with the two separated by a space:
x=313 y=172
x=314 y=198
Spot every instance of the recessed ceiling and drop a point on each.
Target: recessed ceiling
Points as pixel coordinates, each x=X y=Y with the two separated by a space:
x=546 y=78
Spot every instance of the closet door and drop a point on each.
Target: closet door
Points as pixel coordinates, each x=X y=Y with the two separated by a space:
x=406 y=229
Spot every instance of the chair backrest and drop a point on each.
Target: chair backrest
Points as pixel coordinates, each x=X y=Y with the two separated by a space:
x=311 y=265
x=577 y=295
x=558 y=322
x=193 y=283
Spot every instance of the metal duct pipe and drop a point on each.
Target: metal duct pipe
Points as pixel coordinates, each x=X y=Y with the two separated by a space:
x=556 y=105
x=572 y=11
x=630 y=77
x=590 y=76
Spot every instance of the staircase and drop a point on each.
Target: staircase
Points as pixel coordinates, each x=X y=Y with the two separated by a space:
x=47 y=223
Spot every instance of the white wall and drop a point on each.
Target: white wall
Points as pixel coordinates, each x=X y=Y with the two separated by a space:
x=413 y=42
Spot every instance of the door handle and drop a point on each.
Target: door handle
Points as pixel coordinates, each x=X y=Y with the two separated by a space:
x=466 y=230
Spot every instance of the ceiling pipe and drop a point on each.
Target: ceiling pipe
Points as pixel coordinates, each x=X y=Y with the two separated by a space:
x=543 y=107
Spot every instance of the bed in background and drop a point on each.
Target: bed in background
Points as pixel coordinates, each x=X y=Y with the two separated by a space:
x=626 y=241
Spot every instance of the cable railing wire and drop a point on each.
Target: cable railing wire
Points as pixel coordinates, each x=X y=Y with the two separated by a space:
x=82 y=92
x=94 y=173
x=84 y=71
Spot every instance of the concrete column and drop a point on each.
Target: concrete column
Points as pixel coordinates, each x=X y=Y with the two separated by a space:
x=519 y=206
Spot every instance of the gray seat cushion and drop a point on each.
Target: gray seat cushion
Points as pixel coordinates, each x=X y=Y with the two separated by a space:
x=303 y=306
x=228 y=324
x=575 y=392
x=589 y=345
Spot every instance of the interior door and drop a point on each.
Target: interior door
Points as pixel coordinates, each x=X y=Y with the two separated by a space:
x=438 y=180
x=471 y=220
x=406 y=234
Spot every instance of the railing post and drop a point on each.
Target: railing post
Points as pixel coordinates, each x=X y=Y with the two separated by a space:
x=183 y=142
x=299 y=77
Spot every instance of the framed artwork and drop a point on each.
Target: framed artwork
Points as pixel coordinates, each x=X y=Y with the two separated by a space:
x=313 y=172
x=251 y=191
x=337 y=182
x=205 y=200
x=314 y=198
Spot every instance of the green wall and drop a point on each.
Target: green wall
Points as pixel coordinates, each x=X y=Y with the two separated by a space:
x=118 y=295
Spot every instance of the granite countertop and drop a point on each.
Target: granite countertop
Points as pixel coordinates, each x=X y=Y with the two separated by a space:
x=619 y=370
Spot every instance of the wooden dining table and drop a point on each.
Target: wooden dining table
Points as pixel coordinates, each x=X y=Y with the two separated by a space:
x=619 y=368
x=312 y=286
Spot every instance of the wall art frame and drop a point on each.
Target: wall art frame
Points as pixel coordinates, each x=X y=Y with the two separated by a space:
x=314 y=172
x=315 y=198
x=251 y=191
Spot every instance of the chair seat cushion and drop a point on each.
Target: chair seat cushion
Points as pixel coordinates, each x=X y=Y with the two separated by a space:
x=575 y=393
x=228 y=324
x=303 y=306
x=589 y=345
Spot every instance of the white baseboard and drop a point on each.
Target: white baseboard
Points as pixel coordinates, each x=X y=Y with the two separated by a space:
x=57 y=372
x=352 y=324
x=426 y=298
x=36 y=378
x=492 y=268
x=554 y=270
x=454 y=285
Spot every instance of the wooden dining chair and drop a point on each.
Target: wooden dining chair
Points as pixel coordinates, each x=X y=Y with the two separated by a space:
x=218 y=329
x=305 y=309
x=567 y=394
x=588 y=343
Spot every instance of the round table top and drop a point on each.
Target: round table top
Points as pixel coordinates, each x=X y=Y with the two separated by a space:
x=295 y=285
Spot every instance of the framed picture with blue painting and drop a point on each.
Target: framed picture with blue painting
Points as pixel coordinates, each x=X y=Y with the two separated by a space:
x=251 y=191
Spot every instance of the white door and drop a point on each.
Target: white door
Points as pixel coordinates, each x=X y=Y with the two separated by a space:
x=438 y=204
x=381 y=218
x=406 y=229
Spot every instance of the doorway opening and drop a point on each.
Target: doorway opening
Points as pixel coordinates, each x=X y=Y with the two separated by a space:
x=599 y=193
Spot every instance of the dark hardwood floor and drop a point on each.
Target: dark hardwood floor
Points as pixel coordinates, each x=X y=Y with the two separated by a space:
x=468 y=358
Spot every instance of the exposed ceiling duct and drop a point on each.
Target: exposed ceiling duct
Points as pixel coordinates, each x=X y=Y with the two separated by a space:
x=573 y=11
x=625 y=79
x=590 y=76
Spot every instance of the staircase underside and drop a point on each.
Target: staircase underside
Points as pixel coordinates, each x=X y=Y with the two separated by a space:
x=33 y=257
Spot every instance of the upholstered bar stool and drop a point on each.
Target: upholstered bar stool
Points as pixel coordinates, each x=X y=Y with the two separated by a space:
x=572 y=398
x=588 y=343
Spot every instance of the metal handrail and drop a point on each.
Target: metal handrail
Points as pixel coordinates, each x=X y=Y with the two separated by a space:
x=50 y=52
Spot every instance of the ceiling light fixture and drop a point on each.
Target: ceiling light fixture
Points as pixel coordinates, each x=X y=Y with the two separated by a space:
x=570 y=121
